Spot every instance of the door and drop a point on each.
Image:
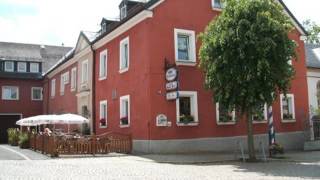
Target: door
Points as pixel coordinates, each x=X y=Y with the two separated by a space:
x=6 y=122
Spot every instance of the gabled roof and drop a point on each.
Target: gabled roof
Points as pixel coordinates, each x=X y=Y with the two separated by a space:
x=313 y=55
x=46 y=54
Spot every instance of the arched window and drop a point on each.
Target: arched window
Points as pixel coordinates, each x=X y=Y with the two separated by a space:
x=318 y=94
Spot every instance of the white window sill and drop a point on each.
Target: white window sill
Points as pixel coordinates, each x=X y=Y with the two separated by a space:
x=103 y=127
x=124 y=126
x=36 y=99
x=226 y=123
x=260 y=122
x=185 y=63
x=288 y=120
x=123 y=70
x=216 y=9
x=102 y=78
x=189 y=124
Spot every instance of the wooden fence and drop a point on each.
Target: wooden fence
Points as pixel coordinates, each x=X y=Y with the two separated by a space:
x=72 y=145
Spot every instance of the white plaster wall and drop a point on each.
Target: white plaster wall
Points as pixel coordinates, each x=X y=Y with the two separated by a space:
x=313 y=79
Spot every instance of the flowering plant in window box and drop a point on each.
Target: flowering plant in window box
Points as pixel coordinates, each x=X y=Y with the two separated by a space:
x=186 y=119
x=288 y=116
x=124 y=120
x=103 y=122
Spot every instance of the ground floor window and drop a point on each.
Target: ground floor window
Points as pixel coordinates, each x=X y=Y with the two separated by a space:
x=225 y=115
x=125 y=111
x=287 y=107
x=187 y=107
x=260 y=114
x=103 y=114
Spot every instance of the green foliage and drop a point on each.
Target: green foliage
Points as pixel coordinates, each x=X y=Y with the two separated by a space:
x=13 y=136
x=24 y=140
x=313 y=31
x=245 y=53
x=186 y=119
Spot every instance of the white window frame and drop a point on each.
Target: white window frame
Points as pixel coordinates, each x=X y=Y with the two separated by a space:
x=123 y=12
x=122 y=44
x=216 y=8
x=194 y=107
x=64 y=80
x=265 y=115
x=122 y=99
x=37 y=67
x=105 y=102
x=84 y=77
x=192 y=47
x=73 y=82
x=41 y=93
x=10 y=69
x=233 y=122
x=22 y=64
x=293 y=109
x=9 y=99
x=103 y=70
x=53 y=88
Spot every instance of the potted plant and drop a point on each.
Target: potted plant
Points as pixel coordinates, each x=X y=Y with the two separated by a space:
x=124 y=120
x=24 y=142
x=103 y=122
x=186 y=119
x=275 y=149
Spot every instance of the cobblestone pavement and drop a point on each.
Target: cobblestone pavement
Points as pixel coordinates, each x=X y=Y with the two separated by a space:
x=133 y=167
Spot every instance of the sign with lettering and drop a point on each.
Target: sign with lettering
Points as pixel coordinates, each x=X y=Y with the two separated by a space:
x=171 y=74
x=172 y=95
x=172 y=86
x=162 y=120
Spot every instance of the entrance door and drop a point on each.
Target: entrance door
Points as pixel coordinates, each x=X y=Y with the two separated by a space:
x=6 y=122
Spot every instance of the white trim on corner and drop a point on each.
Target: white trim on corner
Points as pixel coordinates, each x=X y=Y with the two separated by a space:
x=127 y=97
x=192 y=47
x=293 y=120
x=194 y=107
x=41 y=93
x=233 y=122
x=123 y=28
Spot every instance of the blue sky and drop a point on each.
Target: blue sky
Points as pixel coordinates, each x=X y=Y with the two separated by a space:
x=60 y=21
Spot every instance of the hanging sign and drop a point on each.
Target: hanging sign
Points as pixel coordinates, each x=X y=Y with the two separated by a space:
x=172 y=95
x=172 y=86
x=171 y=74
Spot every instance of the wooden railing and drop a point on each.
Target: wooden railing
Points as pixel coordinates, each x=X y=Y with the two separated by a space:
x=70 y=145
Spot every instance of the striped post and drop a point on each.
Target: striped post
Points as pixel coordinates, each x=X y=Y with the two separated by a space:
x=272 y=133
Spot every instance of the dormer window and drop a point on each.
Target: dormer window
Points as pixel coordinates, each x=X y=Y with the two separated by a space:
x=217 y=4
x=9 y=66
x=123 y=12
x=104 y=27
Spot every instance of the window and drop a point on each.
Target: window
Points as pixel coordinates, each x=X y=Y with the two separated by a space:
x=34 y=67
x=64 y=80
x=185 y=47
x=123 y=12
x=103 y=66
x=217 y=4
x=36 y=94
x=10 y=93
x=125 y=111
x=124 y=55
x=318 y=94
x=53 y=87
x=9 y=66
x=103 y=114
x=187 y=108
x=84 y=72
x=73 y=79
x=260 y=115
x=287 y=108
x=224 y=115
x=22 y=67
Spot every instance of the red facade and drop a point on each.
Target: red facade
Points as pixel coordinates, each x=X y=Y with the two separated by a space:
x=151 y=42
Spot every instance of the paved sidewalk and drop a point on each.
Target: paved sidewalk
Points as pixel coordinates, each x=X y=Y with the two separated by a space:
x=8 y=152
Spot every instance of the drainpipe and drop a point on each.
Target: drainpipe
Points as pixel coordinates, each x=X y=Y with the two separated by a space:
x=93 y=92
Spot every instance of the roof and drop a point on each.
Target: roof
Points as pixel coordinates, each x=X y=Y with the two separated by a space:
x=313 y=55
x=91 y=36
x=46 y=54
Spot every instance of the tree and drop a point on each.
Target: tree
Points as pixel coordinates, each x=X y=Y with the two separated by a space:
x=313 y=31
x=245 y=56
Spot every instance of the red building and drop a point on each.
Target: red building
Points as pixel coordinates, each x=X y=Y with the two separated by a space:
x=131 y=98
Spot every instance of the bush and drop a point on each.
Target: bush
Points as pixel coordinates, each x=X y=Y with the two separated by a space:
x=276 y=149
x=24 y=141
x=13 y=136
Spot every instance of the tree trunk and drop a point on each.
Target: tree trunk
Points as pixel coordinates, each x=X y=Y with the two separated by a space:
x=252 y=155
